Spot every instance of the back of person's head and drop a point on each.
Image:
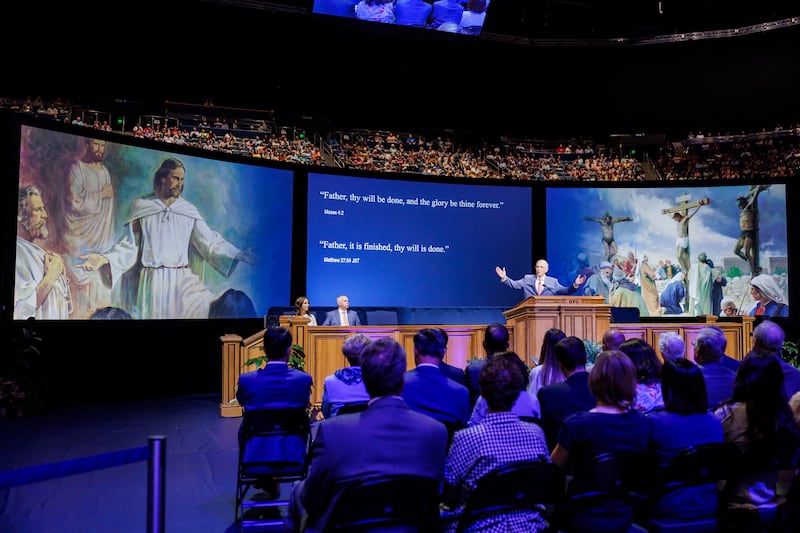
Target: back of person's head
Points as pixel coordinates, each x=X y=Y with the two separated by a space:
x=571 y=353
x=354 y=346
x=495 y=338
x=671 y=345
x=551 y=338
x=612 y=338
x=429 y=342
x=383 y=368
x=110 y=313
x=647 y=363
x=442 y=335
x=759 y=384
x=683 y=387
x=277 y=343
x=502 y=378
x=232 y=303
x=612 y=380
x=709 y=345
x=768 y=336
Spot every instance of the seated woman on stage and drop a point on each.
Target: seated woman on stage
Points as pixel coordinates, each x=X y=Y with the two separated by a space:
x=302 y=308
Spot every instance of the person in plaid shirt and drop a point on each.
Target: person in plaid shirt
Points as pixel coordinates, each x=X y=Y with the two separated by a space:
x=500 y=439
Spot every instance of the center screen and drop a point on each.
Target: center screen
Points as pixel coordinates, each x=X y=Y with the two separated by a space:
x=388 y=242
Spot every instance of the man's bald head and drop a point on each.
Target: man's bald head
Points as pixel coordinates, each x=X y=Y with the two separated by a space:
x=768 y=336
x=612 y=339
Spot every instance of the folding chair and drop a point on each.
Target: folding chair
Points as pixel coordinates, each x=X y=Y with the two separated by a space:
x=379 y=502
x=273 y=449
x=702 y=464
x=525 y=485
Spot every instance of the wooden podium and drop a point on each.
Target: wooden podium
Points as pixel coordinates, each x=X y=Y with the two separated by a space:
x=586 y=317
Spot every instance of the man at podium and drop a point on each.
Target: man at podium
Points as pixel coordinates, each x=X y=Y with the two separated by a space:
x=539 y=284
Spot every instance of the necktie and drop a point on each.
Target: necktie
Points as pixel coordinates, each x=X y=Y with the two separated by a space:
x=344 y=319
x=538 y=285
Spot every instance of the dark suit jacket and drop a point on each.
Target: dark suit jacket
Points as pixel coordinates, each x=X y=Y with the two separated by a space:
x=332 y=318
x=729 y=362
x=528 y=285
x=559 y=400
x=429 y=391
x=473 y=371
x=454 y=373
x=719 y=382
x=388 y=437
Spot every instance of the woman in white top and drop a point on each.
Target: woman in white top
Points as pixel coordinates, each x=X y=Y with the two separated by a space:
x=301 y=306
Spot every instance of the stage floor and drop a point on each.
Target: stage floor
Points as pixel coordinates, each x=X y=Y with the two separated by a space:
x=201 y=459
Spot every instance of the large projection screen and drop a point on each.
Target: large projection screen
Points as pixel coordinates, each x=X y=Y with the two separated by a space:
x=220 y=248
x=643 y=223
x=386 y=242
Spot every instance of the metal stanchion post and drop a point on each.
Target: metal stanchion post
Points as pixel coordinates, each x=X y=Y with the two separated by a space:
x=156 y=473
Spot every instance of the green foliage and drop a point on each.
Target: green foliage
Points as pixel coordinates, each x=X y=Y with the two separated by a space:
x=297 y=359
x=592 y=349
x=791 y=354
x=734 y=272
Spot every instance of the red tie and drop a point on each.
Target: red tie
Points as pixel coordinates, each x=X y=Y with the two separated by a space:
x=538 y=285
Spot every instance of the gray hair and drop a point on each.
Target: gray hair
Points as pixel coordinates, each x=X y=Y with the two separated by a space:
x=709 y=345
x=354 y=346
x=671 y=345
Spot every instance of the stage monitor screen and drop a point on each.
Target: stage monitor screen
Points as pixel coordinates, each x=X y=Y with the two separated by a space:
x=673 y=251
x=385 y=242
x=112 y=230
x=461 y=17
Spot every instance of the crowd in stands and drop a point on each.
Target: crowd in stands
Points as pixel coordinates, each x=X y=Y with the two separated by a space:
x=760 y=155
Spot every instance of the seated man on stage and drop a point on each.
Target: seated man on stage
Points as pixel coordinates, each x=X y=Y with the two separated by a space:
x=540 y=284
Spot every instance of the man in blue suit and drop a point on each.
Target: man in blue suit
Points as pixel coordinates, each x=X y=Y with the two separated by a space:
x=709 y=348
x=342 y=315
x=539 y=284
x=387 y=438
x=429 y=391
x=275 y=386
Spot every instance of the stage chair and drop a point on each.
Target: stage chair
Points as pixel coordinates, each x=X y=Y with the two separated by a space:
x=381 y=502
x=528 y=485
x=273 y=449
x=611 y=485
x=702 y=464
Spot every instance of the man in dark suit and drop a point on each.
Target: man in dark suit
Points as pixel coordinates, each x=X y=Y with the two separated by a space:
x=453 y=372
x=495 y=340
x=559 y=400
x=342 y=315
x=429 y=391
x=387 y=437
x=709 y=347
x=539 y=284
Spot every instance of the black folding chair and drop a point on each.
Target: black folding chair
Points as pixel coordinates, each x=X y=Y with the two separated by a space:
x=273 y=449
x=702 y=464
x=530 y=485
x=378 y=502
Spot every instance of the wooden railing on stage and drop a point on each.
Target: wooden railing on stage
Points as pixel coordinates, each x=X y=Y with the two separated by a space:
x=584 y=317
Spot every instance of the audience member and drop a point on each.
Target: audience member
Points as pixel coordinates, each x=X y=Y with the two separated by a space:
x=768 y=336
x=427 y=390
x=473 y=16
x=342 y=315
x=648 y=374
x=709 y=348
x=375 y=10
x=302 y=307
x=758 y=419
x=559 y=400
x=346 y=384
x=685 y=421
x=524 y=406
x=613 y=425
x=547 y=369
x=768 y=296
x=671 y=345
x=412 y=12
x=499 y=440
x=340 y=8
x=446 y=11
x=540 y=284
x=352 y=447
x=612 y=339
x=495 y=340
x=456 y=374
